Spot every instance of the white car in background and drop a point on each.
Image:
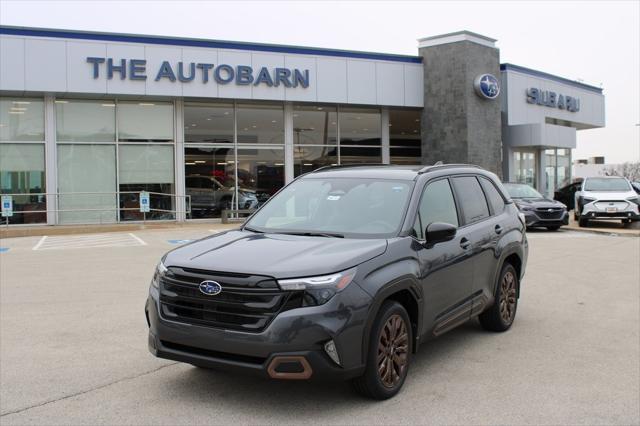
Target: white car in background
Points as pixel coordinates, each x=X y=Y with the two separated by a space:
x=606 y=198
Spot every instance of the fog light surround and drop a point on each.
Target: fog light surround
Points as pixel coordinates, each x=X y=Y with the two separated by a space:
x=330 y=349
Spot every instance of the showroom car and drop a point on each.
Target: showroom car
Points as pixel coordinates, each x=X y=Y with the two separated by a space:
x=606 y=198
x=538 y=210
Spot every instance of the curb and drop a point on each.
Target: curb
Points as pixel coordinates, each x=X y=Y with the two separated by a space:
x=611 y=233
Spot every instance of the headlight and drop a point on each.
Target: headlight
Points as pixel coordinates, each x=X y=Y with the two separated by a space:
x=319 y=290
x=635 y=200
x=161 y=270
x=524 y=208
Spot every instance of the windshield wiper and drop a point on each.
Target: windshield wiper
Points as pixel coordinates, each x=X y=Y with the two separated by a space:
x=314 y=234
x=248 y=228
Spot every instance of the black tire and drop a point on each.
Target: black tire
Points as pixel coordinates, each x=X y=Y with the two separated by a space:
x=371 y=384
x=575 y=215
x=553 y=228
x=500 y=316
x=583 y=222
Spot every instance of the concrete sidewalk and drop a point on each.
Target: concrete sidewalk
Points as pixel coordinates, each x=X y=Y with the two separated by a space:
x=607 y=227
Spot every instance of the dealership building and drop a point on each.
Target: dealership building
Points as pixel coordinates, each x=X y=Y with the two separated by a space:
x=89 y=121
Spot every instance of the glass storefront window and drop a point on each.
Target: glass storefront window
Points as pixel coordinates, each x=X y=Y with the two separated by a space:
x=524 y=168
x=356 y=155
x=563 y=171
x=315 y=125
x=308 y=158
x=22 y=172
x=260 y=124
x=261 y=172
x=146 y=168
x=360 y=126
x=21 y=119
x=404 y=136
x=209 y=180
x=87 y=183
x=208 y=123
x=85 y=121
x=550 y=171
x=145 y=122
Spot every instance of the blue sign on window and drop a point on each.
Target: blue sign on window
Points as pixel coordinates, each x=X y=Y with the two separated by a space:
x=144 y=202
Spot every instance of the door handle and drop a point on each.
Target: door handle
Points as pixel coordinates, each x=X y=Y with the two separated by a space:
x=498 y=229
x=464 y=243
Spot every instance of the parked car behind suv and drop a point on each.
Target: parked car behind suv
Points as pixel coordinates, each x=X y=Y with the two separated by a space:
x=342 y=274
x=539 y=211
x=606 y=198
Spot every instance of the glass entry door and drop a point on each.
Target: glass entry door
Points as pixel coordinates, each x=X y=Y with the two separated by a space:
x=524 y=168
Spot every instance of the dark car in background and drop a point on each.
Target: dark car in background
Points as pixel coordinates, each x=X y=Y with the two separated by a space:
x=539 y=211
x=341 y=275
x=566 y=194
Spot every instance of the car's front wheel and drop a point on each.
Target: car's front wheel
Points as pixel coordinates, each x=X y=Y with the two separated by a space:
x=553 y=228
x=583 y=222
x=389 y=353
x=501 y=314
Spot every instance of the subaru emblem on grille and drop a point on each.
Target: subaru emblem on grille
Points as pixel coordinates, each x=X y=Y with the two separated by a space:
x=550 y=210
x=210 y=288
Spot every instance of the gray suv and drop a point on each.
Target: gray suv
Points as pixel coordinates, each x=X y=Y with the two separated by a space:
x=342 y=274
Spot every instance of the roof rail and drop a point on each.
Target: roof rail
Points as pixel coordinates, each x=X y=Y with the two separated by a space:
x=440 y=165
x=346 y=166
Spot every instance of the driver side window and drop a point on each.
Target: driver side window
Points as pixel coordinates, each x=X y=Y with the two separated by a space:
x=436 y=205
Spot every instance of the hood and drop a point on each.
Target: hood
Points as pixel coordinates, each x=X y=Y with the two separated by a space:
x=538 y=202
x=275 y=255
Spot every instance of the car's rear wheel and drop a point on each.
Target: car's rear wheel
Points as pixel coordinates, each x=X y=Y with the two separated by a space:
x=502 y=313
x=553 y=228
x=389 y=353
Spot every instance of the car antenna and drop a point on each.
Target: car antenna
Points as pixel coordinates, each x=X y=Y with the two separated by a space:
x=438 y=163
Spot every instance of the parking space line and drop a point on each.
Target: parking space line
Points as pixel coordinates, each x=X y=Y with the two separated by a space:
x=37 y=246
x=138 y=239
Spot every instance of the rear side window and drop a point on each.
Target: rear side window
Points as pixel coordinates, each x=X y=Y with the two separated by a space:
x=436 y=205
x=471 y=197
x=493 y=196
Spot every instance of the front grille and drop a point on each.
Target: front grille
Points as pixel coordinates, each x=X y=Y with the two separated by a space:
x=550 y=212
x=246 y=303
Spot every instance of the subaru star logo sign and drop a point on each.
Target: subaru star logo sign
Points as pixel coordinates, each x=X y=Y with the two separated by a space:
x=210 y=288
x=487 y=86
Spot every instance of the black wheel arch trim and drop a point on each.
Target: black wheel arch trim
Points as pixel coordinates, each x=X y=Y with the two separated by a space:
x=407 y=282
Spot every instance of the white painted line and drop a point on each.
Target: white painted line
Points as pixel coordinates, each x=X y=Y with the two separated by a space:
x=37 y=246
x=138 y=239
x=214 y=231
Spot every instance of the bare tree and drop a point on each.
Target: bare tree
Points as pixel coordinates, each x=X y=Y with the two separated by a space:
x=630 y=170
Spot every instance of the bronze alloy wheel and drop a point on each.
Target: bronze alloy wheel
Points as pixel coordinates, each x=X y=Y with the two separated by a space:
x=393 y=348
x=508 y=297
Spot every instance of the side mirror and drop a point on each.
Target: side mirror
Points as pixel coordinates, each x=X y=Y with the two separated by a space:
x=439 y=232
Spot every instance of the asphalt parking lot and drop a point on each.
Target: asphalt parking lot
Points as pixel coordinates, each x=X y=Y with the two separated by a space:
x=73 y=346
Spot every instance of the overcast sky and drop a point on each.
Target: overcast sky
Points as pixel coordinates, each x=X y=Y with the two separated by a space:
x=595 y=42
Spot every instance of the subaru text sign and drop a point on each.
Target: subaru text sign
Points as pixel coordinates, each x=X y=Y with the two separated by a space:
x=185 y=72
x=552 y=99
x=7 y=206
x=486 y=86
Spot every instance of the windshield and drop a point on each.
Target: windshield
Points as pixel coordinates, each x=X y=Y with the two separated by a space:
x=342 y=206
x=606 y=184
x=521 y=191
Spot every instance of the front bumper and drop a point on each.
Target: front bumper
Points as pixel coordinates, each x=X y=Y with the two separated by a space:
x=628 y=211
x=534 y=220
x=298 y=333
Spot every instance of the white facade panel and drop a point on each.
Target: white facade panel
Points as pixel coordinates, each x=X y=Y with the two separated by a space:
x=59 y=65
x=163 y=86
x=309 y=94
x=271 y=62
x=413 y=85
x=390 y=83
x=361 y=82
x=80 y=77
x=234 y=58
x=118 y=85
x=332 y=79
x=11 y=63
x=198 y=87
x=45 y=65
x=520 y=111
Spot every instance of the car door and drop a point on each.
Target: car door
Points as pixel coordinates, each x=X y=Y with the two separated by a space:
x=446 y=268
x=481 y=230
